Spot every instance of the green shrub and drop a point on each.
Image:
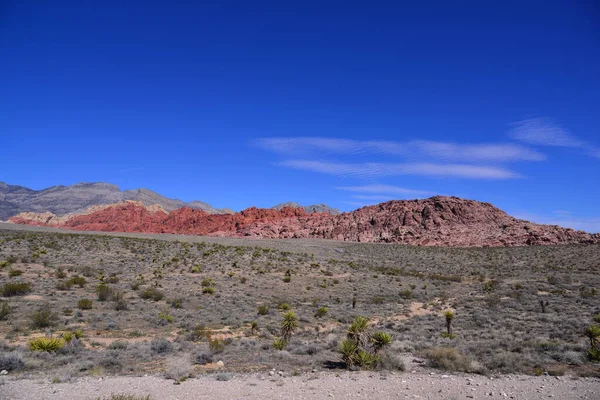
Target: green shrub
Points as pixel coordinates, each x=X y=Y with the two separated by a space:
x=279 y=343
x=43 y=317
x=46 y=344
x=14 y=272
x=5 y=310
x=208 y=290
x=321 y=312
x=284 y=307
x=104 y=292
x=216 y=346
x=151 y=294
x=78 y=333
x=165 y=317
x=196 y=269
x=84 y=304
x=176 y=303
x=60 y=273
x=68 y=336
x=207 y=282
x=263 y=310
x=77 y=280
x=16 y=289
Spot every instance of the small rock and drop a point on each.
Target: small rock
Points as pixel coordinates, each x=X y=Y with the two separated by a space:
x=220 y=364
x=4 y=372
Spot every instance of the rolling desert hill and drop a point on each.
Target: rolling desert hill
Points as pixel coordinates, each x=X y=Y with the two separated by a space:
x=436 y=221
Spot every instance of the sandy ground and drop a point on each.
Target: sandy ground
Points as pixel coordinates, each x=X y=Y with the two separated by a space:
x=321 y=385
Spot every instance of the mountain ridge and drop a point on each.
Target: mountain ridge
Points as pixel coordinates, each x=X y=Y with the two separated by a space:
x=436 y=221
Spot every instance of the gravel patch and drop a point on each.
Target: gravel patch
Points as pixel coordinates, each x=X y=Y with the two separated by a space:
x=277 y=385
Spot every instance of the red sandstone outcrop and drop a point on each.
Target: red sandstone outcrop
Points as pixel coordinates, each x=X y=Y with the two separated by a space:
x=437 y=221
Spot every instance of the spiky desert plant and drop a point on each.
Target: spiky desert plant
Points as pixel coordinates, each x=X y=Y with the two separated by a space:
x=46 y=344
x=348 y=349
x=366 y=360
x=379 y=340
x=279 y=343
x=357 y=330
x=253 y=327
x=449 y=315
x=593 y=333
x=288 y=324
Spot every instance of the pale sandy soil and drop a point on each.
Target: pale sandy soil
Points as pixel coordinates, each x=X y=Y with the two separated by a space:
x=321 y=385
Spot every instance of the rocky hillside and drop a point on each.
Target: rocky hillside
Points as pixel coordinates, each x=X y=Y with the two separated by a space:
x=437 y=221
x=318 y=208
x=62 y=200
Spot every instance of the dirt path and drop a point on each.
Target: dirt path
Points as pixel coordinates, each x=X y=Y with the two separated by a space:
x=345 y=385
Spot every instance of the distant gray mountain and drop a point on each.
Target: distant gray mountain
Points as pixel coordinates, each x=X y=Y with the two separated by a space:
x=320 y=208
x=62 y=200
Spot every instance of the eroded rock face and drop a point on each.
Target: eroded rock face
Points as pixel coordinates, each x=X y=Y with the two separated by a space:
x=437 y=221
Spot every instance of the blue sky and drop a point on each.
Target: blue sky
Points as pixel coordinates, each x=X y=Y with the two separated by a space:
x=347 y=103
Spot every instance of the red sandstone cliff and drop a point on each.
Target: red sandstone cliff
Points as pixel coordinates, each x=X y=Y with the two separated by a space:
x=437 y=221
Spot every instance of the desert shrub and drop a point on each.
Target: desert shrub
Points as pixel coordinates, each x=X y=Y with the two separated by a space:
x=284 y=307
x=118 y=345
x=14 y=272
x=84 y=304
x=391 y=362
x=104 y=292
x=449 y=359
x=16 y=289
x=46 y=344
x=11 y=362
x=196 y=269
x=206 y=282
x=165 y=317
x=62 y=285
x=43 y=317
x=202 y=358
x=198 y=333
x=279 y=343
x=208 y=290
x=178 y=369
x=60 y=273
x=176 y=303
x=152 y=294
x=321 y=312
x=77 y=280
x=5 y=310
x=216 y=346
x=67 y=336
x=263 y=310
x=406 y=294
x=161 y=346
x=78 y=333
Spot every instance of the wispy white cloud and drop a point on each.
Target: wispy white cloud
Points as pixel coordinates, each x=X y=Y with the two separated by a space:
x=366 y=170
x=544 y=132
x=386 y=189
x=417 y=149
x=476 y=152
x=373 y=197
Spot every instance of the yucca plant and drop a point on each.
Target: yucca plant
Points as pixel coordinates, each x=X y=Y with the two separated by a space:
x=348 y=349
x=68 y=336
x=364 y=359
x=357 y=330
x=379 y=340
x=46 y=344
x=289 y=324
x=279 y=343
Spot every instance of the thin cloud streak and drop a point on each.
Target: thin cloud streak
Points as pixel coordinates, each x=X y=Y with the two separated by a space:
x=591 y=225
x=373 y=197
x=544 y=132
x=367 y=170
x=447 y=151
x=385 y=189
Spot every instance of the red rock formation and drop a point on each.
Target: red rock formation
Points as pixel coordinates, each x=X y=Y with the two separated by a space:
x=437 y=221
